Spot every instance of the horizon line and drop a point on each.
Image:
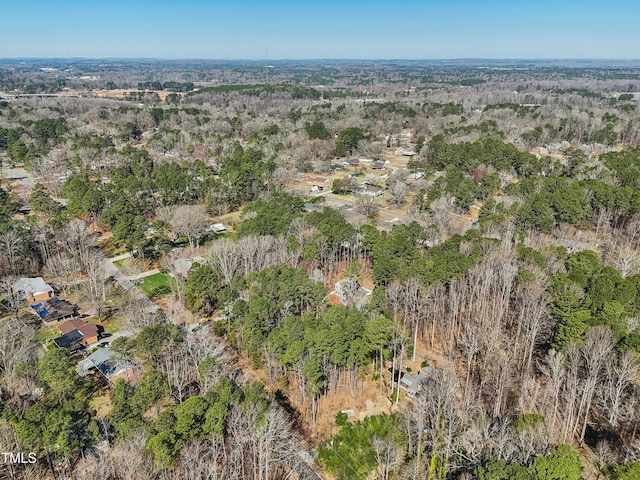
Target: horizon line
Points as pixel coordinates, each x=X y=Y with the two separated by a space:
x=284 y=59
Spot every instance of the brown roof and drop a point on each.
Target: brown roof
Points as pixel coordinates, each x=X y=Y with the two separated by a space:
x=87 y=329
x=53 y=309
x=316 y=180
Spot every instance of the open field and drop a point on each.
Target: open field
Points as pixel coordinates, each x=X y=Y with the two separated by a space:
x=155 y=285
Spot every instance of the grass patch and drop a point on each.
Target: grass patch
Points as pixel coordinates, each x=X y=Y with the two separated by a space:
x=46 y=333
x=111 y=248
x=120 y=264
x=113 y=324
x=156 y=285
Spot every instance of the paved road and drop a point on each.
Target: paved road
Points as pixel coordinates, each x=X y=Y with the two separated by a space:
x=148 y=273
x=120 y=257
x=17 y=175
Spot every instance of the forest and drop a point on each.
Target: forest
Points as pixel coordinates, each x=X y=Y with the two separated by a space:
x=330 y=270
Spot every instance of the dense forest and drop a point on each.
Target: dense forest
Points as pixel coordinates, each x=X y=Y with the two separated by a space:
x=322 y=271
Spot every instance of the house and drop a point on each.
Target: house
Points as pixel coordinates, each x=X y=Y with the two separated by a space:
x=409 y=382
x=378 y=166
x=33 y=289
x=107 y=363
x=350 y=293
x=335 y=167
x=54 y=310
x=313 y=207
x=414 y=384
x=217 y=228
x=317 y=180
x=90 y=332
x=405 y=150
x=415 y=176
x=371 y=191
x=182 y=266
x=354 y=162
x=70 y=340
x=22 y=213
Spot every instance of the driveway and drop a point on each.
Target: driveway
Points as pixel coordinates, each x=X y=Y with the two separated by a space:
x=17 y=175
x=126 y=283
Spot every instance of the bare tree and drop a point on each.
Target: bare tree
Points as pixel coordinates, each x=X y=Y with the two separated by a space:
x=366 y=205
x=398 y=192
x=176 y=363
x=200 y=460
x=16 y=347
x=627 y=260
x=77 y=241
x=224 y=256
x=554 y=369
x=11 y=246
x=190 y=221
x=387 y=456
x=620 y=372
x=598 y=345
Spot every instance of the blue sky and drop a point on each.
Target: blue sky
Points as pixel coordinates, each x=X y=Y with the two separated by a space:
x=241 y=29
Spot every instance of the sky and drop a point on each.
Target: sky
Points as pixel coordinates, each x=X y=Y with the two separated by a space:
x=332 y=29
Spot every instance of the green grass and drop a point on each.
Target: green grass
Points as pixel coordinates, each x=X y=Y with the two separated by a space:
x=121 y=263
x=155 y=285
x=46 y=333
x=111 y=249
x=113 y=324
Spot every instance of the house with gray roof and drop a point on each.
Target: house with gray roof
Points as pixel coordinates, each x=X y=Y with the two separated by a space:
x=106 y=362
x=33 y=289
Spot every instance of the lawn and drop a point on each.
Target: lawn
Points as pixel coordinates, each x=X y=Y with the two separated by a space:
x=155 y=285
x=120 y=264
x=45 y=333
x=113 y=324
x=111 y=248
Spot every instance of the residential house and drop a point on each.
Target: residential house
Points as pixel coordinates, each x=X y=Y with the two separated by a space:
x=414 y=384
x=414 y=176
x=371 y=191
x=54 y=310
x=317 y=181
x=313 y=207
x=378 y=166
x=217 y=228
x=33 y=289
x=350 y=293
x=108 y=363
x=70 y=341
x=181 y=266
x=405 y=150
x=90 y=331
